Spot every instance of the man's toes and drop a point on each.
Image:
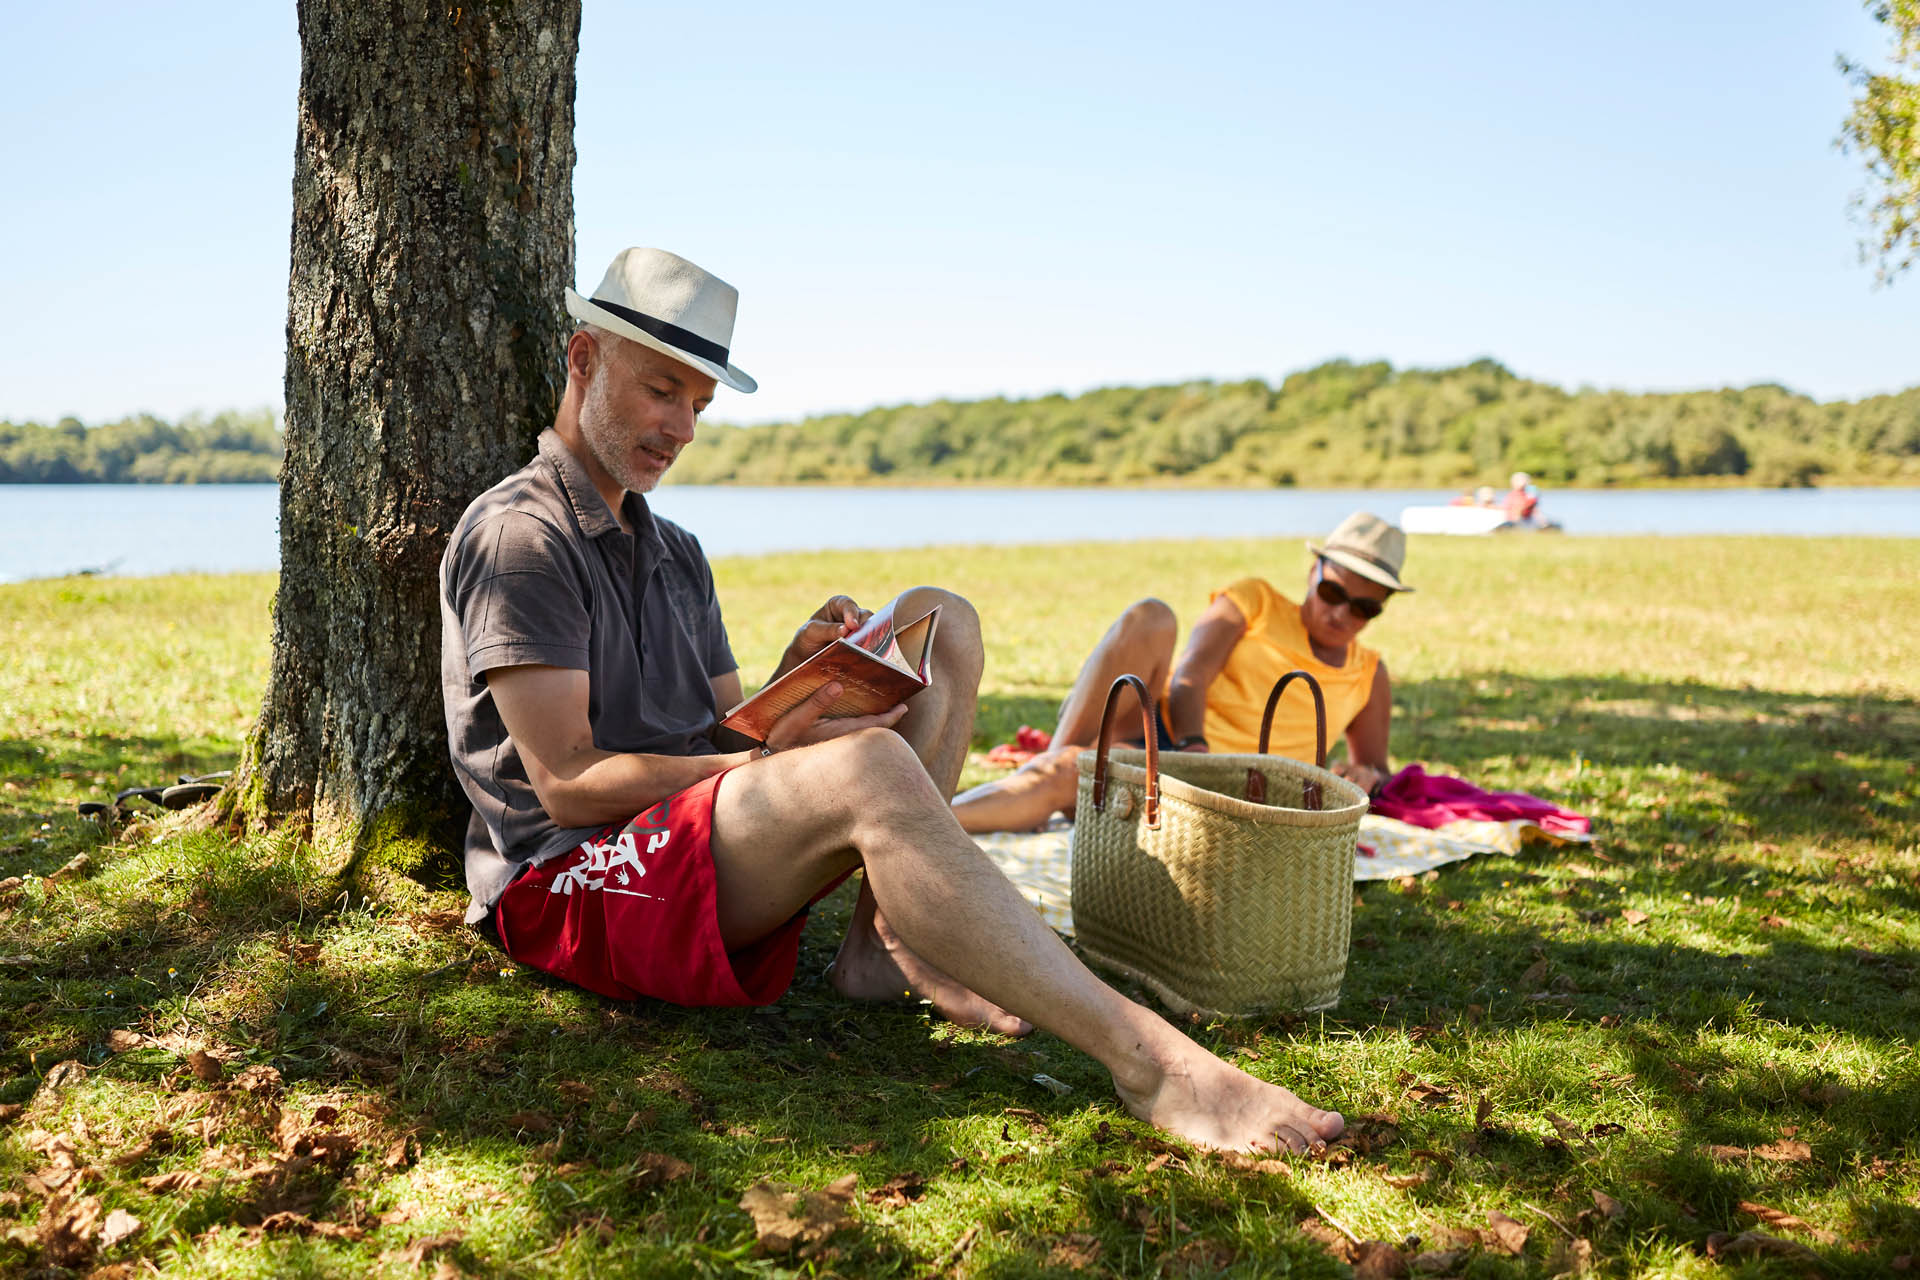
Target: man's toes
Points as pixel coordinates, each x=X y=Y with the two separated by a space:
x=1289 y=1138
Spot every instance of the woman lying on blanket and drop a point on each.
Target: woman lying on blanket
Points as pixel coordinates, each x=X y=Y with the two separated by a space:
x=1248 y=637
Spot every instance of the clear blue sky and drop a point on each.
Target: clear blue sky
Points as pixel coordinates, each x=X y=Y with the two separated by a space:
x=995 y=198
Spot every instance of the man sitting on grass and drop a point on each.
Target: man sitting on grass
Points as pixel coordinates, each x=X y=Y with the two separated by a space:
x=585 y=664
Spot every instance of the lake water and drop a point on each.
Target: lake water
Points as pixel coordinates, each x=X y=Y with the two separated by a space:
x=49 y=530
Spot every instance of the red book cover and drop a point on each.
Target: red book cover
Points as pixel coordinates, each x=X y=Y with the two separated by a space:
x=877 y=666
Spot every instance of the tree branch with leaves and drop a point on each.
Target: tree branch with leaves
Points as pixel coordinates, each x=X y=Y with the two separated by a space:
x=1884 y=128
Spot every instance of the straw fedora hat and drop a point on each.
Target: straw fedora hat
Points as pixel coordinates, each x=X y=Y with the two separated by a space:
x=1368 y=546
x=660 y=300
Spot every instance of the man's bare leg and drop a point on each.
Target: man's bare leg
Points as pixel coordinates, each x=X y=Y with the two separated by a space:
x=785 y=826
x=873 y=963
x=1140 y=642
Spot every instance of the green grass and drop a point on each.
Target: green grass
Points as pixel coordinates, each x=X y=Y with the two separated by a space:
x=1739 y=715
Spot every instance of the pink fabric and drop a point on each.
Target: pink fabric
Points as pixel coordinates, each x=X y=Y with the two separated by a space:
x=1432 y=800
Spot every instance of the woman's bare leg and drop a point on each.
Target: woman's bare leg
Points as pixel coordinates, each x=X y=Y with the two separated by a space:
x=1140 y=642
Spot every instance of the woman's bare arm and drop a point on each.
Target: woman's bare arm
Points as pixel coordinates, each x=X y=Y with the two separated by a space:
x=1209 y=644
x=1366 y=764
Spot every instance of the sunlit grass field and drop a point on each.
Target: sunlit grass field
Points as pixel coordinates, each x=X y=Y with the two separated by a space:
x=1688 y=1051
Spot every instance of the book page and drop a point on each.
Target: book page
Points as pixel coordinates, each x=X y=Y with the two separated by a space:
x=876 y=667
x=912 y=644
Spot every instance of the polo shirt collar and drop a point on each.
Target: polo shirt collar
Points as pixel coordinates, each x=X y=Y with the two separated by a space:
x=590 y=510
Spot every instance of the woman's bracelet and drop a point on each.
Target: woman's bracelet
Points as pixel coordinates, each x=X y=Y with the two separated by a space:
x=1191 y=740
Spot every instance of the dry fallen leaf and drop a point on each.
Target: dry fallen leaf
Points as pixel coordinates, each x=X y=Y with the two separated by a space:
x=1508 y=1235
x=300 y=1224
x=1034 y=1122
x=1406 y=1181
x=1376 y=1131
x=1328 y=1238
x=1787 y=1149
x=1567 y=1129
x=651 y=1168
x=1438 y=1260
x=1378 y=1260
x=420 y=1250
x=898 y=1191
x=1608 y=1206
x=1252 y=1164
x=1757 y=1244
x=68 y=1228
x=1570 y=1257
x=1536 y=974
x=204 y=1066
x=1784 y=1221
x=785 y=1219
x=262 y=1081
x=120 y=1225
x=1076 y=1252
x=1634 y=917
x=174 y=1180
x=531 y=1121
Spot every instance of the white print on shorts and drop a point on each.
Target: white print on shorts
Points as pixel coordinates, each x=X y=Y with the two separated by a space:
x=616 y=860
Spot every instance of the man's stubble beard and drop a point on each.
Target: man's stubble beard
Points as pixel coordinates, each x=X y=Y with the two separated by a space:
x=607 y=438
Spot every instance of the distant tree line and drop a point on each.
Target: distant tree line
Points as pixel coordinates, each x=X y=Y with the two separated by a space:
x=1338 y=425
x=226 y=448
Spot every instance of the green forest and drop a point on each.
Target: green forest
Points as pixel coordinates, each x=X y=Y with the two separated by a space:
x=227 y=448
x=1338 y=425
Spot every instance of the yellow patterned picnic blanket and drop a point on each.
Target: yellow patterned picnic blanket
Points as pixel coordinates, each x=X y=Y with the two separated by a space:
x=1040 y=863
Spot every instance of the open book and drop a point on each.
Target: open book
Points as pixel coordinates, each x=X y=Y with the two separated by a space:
x=877 y=666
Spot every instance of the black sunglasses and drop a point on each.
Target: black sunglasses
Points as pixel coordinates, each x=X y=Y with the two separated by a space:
x=1336 y=595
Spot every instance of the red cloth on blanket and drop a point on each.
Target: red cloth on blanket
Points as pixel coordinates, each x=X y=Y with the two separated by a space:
x=1433 y=799
x=1027 y=743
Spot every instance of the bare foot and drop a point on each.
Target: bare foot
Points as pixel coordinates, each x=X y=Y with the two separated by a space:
x=1025 y=798
x=874 y=964
x=1215 y=1105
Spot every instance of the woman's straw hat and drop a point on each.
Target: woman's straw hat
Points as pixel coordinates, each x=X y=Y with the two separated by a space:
x=1370 y=547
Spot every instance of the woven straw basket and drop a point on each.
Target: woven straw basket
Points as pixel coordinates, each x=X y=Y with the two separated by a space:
x=1222 y=882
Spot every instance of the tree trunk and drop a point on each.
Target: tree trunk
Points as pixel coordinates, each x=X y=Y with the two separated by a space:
x=432 y=238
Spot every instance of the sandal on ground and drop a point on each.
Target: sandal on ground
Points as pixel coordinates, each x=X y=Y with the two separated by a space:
x=191 y=789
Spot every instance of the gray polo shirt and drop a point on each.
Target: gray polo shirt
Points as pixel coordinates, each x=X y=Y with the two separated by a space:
x=539 y=572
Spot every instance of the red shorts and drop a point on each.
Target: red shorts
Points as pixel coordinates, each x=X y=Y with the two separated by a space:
x=632 y=912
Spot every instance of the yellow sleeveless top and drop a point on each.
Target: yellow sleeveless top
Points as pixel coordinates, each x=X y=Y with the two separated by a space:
x=1275 y=643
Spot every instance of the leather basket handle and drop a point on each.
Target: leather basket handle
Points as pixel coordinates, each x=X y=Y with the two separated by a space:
x=1311 y=792
x=1151 y=810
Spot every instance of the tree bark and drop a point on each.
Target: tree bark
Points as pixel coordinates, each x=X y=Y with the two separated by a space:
x=432 y=238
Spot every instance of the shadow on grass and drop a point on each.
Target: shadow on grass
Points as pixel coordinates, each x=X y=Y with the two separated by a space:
x=1690 y=783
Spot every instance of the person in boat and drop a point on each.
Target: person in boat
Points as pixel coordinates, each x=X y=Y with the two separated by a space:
x=1523 y=499
x=615 y=844
x=1249 y=635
